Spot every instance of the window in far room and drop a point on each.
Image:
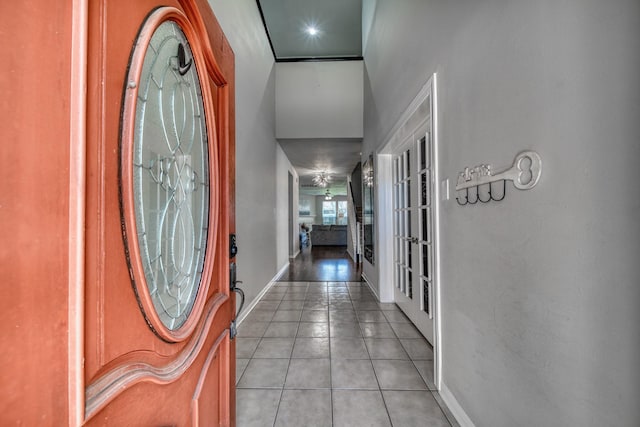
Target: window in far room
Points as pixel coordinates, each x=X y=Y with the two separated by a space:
x=328 y=212
x=334 y=212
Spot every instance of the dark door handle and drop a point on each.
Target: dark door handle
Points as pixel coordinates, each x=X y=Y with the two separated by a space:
x=183 y=65
x=233 y=282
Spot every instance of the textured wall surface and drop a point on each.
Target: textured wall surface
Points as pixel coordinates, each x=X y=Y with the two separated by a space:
x=319 y=99
x=540 y=291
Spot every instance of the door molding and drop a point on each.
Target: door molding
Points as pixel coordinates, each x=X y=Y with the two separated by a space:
x=411 y=120
x=385 y=242
x=222 y=343
x=77 y=202
x=124 y=373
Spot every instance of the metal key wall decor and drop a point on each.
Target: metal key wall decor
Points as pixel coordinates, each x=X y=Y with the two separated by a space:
x=525 y=174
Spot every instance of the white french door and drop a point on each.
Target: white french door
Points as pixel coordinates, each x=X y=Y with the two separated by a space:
x=413 y=178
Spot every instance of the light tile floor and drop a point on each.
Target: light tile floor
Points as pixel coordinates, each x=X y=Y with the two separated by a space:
x=327 y=354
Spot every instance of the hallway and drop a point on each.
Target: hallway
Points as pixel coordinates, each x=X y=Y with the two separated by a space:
x=322 y=263
x=326 y=353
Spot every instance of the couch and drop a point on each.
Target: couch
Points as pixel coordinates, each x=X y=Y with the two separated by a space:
x=329 y=235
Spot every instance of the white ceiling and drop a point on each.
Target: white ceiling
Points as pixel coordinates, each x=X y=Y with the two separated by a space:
x=339 y=25
x=337 y=157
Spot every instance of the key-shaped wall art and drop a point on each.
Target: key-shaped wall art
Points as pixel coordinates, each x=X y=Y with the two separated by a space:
x=525 y=174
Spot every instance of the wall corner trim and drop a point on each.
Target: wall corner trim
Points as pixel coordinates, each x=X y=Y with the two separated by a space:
x=454 y=406
x=368 y=282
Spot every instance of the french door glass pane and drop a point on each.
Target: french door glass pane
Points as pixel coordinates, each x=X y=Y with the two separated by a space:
x=424 y=190
x=426 y=297
x=395 y=171
x=425 y=151
x=425 y=213
x=426 y=267
x=404 y=253
x=408 y=162
x=395 y=197
x=395 y=223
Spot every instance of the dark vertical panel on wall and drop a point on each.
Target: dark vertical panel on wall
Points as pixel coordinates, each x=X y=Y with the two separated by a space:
x=356 y=185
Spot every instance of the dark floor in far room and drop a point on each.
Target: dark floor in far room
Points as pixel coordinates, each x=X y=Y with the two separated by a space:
x=322 y=263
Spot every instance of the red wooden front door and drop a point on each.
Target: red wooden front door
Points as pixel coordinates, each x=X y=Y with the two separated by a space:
x=77 y=347
x=135 y=375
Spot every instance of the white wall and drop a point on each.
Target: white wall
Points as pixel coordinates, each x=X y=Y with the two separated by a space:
x=319 y=99
x=258 y=177
x=313 y=214
x=540 y=292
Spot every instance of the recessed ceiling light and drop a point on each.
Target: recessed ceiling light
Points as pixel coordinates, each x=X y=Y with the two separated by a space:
x=312 y=31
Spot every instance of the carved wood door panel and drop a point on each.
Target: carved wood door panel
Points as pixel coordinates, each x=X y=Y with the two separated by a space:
x=159 y=212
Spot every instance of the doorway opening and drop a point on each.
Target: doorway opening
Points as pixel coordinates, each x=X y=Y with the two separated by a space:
x=290 y=210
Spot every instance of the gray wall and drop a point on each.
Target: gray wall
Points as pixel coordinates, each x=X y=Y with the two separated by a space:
x=257 y=199
x=319 y=99
x=540 y=292
x=313 y=214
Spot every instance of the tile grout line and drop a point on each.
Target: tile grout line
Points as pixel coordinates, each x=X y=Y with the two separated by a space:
x=286 y=373
x=330 y=362
x=375 y=374
x=284 y=381
x=278 y=408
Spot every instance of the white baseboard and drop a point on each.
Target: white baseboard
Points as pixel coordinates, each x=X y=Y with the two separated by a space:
x=279 y=273
x=295 y=255
x=364 y=276
x=452 y=403
x=257 y=299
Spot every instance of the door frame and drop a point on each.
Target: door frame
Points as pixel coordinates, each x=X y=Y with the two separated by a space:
x=411 y=121
x=291 y=233
x=77 y=201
